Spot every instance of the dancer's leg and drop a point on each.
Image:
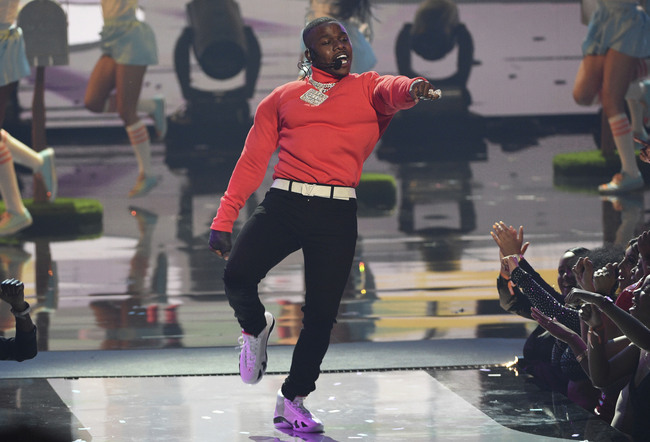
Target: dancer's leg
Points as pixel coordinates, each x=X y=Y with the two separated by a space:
x=16 y=216
x=589 y=80
x=618 y=71
x=100 y=84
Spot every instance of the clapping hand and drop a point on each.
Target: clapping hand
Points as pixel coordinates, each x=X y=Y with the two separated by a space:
x=583 y=270
x=509 y=240
x=605 y=279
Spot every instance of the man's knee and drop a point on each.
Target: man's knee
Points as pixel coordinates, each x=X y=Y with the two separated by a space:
x=234 y=278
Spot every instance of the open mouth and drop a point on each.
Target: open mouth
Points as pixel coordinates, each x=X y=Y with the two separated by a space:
x=343 y=59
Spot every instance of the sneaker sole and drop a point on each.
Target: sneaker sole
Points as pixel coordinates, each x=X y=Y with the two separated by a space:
x=282 y=422
x=17 y=228
x=620 y=190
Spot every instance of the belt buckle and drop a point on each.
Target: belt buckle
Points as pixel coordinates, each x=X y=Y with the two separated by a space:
x=308 y=189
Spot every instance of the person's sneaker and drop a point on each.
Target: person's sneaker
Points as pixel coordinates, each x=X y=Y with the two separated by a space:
x=294 y=415
x=143 y=186
x=253 y=357
x=11 y=223
x=159 y=118
x=48 y=172
x=622 y=182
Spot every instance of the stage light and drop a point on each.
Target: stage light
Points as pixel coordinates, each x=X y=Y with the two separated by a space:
x=219 y=41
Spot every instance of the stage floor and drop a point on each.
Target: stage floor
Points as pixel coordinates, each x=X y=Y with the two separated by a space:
x=487 y=404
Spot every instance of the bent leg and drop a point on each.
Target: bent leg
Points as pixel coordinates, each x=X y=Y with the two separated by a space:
x=263 y=242
x=128 y=84
x=589 y=80
x=100 y=84
x=618 y=72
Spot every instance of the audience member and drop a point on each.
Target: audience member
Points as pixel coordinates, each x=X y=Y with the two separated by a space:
x=633 y=363
x=579 y=389
x=23 y=346
x=628 y=273
x=539 y=346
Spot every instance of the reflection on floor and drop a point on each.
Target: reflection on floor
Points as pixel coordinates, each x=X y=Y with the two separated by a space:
x=488 y=404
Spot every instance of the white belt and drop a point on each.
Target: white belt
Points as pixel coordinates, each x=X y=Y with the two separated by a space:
x=319 y=190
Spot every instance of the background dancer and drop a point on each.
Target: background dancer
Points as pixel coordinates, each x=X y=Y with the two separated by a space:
x=128 y=47
x=614 y=50
x=13 y=67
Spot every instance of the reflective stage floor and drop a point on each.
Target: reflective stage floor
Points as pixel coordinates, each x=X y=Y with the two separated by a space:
x=137 y=341
x=486 y=404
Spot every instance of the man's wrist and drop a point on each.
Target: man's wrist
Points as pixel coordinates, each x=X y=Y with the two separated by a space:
x=21 y=311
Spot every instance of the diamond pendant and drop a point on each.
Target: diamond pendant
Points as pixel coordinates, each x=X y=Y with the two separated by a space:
x=313 y=97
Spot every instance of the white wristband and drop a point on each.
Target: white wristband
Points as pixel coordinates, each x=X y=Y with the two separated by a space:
x=23 y=313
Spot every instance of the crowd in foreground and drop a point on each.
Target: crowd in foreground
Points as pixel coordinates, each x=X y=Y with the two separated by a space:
x=593 y=339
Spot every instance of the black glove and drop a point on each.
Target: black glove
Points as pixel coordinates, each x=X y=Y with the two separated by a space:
x=220 y=243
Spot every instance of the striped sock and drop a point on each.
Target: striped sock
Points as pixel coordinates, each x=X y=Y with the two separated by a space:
x=139 y=137
x=622 y=133
x=633 y=97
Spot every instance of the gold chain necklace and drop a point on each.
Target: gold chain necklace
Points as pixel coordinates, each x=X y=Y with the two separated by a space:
x=317 y=96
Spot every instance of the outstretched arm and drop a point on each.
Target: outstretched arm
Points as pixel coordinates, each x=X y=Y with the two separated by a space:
x=631 y=327
x=564 y=334
x=541 y=299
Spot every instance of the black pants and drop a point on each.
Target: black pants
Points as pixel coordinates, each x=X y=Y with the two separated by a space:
x=326 y=231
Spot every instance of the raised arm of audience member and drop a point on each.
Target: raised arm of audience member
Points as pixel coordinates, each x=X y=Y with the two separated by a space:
x=23 y=345
x=511 y=242
x=510 y=297
x=633 y=328
x=605 y=279
x=583 y=270
x=539 y=297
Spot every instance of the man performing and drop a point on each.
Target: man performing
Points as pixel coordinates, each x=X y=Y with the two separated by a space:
x=325 y=125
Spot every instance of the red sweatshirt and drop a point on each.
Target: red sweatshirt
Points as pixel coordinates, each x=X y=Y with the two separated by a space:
x=325 y=144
